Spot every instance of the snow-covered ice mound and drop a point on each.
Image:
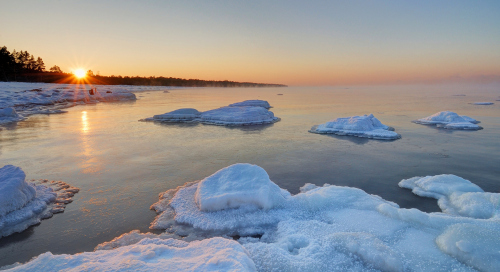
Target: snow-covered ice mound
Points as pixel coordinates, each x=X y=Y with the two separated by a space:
x=232 y=115
x=482 y=103
x=238 y=116
x=177 y=116
x=151 y=254
x=8 y=115
x=366 y=126
x=450 y=120
x=456 y=195
x=23 y=204
x=335 y=228
x=252 y=103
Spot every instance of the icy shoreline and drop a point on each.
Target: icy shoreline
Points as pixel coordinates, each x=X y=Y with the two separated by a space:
x=328 y=228
x=19 y=100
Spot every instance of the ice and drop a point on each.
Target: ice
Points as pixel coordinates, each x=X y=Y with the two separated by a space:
x=450 y=120
x=482 y=103
x=232 y=115
x=456 y=195
x=237 y=186
x=23 y=204
x=41 y=98
x=252 y=103
x=151 y=254
x=8 y=115
x=366 y=126
x=335 y=228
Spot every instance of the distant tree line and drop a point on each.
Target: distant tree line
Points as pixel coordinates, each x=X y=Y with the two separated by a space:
x=22 y=66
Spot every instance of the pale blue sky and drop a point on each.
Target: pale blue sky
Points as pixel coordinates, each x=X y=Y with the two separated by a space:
x=290 y=42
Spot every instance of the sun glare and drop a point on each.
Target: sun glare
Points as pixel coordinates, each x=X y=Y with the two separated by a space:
x=80 y=73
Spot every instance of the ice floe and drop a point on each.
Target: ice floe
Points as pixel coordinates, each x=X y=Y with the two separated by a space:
x=23 y=204
x=482 y=103
x=336 y=228
x=151 y=254
x=42 y=98
x=366 y=126
x=237 y=114
x=252 y=103
x=449 y=120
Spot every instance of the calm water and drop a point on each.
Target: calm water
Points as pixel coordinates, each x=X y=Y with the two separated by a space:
x=121 y=164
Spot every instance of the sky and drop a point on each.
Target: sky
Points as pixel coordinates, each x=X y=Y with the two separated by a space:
x=311 y=43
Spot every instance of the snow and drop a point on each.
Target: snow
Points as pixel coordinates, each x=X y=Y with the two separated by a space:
x=366 y=126
x=450 y=120
x=151 y=254
x=42 y=98
x=482 y=103
x=23 y=204
x=252 y=103
x=250 y=112
x=336 y=228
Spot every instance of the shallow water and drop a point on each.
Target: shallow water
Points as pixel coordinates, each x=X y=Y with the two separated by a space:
x=121 y=164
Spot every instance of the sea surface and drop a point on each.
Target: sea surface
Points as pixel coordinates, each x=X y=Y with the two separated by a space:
x=121 y=164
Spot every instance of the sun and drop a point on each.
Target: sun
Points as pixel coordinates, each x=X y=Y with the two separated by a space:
x=80 y=73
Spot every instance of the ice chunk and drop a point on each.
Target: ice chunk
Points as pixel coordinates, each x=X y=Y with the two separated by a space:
x=8 y=115
x=151 y=254
x=177 y=116
x=252 y=103
x=225 y=116
x=449 y=120
x=236 y=186
x=366 y=126
x=24 y=204
x=456 y=195
x=482 y=103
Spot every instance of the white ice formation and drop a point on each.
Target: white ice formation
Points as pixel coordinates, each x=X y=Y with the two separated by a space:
x=482 y=103
x=366 y=126
x=335 y=228
x=23 y=204
x=250 y=112
x=151 y=254
x=42 y=98
x=252 y=103
x=450 y=120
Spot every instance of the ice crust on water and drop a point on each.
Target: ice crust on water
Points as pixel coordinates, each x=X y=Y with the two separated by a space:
x=366 y=126
x=238 y=114
x=42 y=98
x=335 y=228
x=450 y=120
x=23 y=204
x=151 y=254
x=252 y=103
x=456 y=195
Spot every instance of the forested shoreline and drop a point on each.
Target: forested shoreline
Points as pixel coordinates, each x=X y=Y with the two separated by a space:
x=21 y=66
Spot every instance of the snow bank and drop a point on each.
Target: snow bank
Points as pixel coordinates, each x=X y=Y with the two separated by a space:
x=456 y=195
x=252 y=103
x=232 y=115
x=24 y=204
x=450 y=120
x=366 y=126
x=42 y=98
x=237 y=186
x=151 y=254
x=335 y=228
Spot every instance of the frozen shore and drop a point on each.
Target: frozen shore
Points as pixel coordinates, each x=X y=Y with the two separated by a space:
x=19 y=100
x=322 y=228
